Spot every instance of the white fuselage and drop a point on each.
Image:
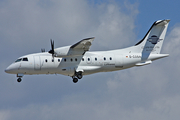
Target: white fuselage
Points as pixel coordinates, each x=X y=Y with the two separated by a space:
x=91 y=62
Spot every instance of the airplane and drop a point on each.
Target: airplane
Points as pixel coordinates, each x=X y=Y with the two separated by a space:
x=76 y=60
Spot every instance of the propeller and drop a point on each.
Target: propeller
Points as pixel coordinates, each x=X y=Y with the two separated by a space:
x=42 y=50
x=52 y=48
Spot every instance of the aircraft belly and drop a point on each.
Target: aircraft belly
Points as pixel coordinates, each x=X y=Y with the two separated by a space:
x=90 y=69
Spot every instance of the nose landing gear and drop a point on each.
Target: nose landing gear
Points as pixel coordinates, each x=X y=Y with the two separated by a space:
x=19 y=80
x=19 y=77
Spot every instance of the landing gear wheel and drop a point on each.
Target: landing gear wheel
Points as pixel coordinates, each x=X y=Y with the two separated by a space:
x=75 y=80
x=19 y=80
x=79 y=75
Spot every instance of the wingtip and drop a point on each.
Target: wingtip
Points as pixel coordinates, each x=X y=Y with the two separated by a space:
x=89 y=38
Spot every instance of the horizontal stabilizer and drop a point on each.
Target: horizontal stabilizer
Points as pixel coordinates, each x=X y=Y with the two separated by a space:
x=144 y=63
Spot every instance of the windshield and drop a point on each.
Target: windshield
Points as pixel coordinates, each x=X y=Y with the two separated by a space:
x=22 y=59
x=18 y=60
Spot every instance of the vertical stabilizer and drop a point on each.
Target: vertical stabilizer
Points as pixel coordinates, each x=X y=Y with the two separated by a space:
x=153 y=40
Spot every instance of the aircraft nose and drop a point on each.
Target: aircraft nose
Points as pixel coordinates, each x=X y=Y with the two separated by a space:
x=8 y=70
x=11 y=69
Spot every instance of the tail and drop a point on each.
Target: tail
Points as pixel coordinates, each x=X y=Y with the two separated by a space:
x=150 y=46
x=154 y=38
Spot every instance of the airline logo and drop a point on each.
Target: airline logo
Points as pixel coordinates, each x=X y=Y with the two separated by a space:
x=154 y=39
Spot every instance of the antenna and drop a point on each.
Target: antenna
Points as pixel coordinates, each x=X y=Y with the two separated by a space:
x=42 y=50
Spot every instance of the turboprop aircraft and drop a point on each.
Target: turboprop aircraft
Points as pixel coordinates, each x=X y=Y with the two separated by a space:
x=76 y=60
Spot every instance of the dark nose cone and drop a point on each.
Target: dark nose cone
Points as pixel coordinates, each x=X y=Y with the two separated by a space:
x=6 y=70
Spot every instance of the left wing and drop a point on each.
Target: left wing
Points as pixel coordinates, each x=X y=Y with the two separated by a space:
x=83 y=44
x=77 y=49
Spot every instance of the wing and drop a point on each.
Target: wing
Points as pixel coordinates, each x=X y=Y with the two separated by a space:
x=75 y=50
x=83 y=44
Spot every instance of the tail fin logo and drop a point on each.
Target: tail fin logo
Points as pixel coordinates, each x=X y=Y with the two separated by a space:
x=154 y=39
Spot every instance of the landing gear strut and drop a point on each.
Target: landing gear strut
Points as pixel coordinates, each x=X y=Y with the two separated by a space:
x=19 y=77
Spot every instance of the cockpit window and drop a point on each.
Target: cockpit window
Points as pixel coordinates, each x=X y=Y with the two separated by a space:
x=22 y=59
x=18 y=60
x=25 y=59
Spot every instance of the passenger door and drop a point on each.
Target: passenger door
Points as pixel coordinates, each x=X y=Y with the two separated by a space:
x=37 y=63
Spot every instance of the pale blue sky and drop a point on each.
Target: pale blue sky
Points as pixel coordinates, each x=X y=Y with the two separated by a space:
x=139 y=93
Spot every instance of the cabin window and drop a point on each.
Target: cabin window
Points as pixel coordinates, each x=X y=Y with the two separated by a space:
x=89 y=59
x=82 y=59
x=58 y=60
x=110 y=58
x=65 y=60
x=46 y=60
x=95 y=59
x=25 y=59
x=71 y=59
x=52 y=60
x=18 y=60
x=75 y=59
x=104 y=58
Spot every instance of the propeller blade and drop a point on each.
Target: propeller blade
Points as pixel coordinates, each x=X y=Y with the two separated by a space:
x=52 y=44
x=52 y=48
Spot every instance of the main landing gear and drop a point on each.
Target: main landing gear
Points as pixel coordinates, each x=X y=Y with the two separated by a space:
x=19 y=77
x=75 y=80
x=78 y=75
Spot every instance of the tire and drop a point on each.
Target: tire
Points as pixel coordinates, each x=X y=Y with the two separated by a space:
x=79 y=75
x=75 y=80
x=19 y=80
